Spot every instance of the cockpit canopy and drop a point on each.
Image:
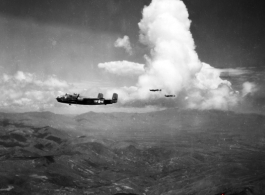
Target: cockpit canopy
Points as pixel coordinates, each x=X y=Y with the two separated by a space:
x=69 y=96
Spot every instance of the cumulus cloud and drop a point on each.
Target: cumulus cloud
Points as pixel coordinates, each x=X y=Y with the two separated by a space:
x=124 y=43
x=124 y=68
x=249 y=88
x=209 y=91
x=174 y=66
x=209 y=78
x=164 y=28
x=25 y=91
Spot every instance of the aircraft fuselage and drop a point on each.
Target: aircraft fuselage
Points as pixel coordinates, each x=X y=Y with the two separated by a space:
x=155 y=90
x=76 y=99
x=85 y=101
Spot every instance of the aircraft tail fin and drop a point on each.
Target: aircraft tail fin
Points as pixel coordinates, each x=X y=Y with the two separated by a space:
x=115 y=98
x=100 y=96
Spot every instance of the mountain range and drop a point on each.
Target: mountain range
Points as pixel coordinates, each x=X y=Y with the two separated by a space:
x=165 y=152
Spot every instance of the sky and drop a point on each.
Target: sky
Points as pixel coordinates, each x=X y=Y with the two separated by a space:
x=53 y=47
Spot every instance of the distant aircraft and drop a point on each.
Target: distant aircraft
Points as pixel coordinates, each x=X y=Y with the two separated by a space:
x=169 y=95
x=155 y=89
x=77 y=99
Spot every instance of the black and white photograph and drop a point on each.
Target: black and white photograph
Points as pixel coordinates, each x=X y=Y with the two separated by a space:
x=132 y=97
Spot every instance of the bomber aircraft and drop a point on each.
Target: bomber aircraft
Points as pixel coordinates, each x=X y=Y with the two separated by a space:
x=155 y=90
x=77 y=99
x=169 y=95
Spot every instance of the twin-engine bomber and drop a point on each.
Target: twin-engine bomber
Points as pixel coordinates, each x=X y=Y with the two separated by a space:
x=169 y=95
x=155 y=90
x=77 y=99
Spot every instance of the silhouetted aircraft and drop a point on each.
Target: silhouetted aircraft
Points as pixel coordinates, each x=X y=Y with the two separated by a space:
x=77 y=99
x=155 y=89
x=169 y=95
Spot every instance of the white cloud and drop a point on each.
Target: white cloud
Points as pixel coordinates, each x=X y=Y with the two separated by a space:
x=123 y=68
x=222 y=98
x=209 y=78
x=25 y=91
x=173 y=61
x=174 y=66
x=125 y=43
x=249 y=88
x=53 y=82
x=24 y=77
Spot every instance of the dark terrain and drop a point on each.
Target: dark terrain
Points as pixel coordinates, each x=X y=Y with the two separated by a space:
x=169 y=152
